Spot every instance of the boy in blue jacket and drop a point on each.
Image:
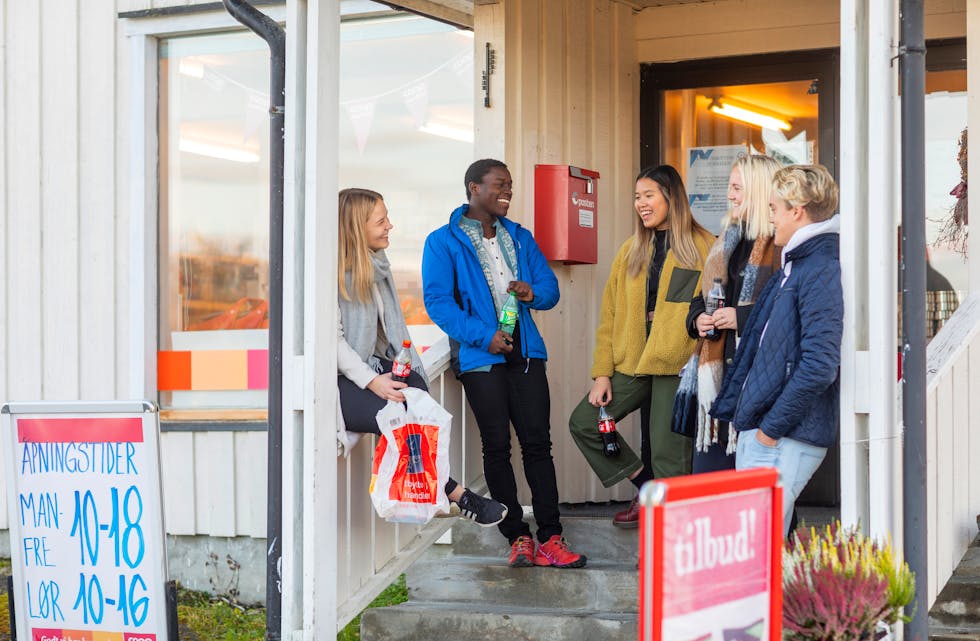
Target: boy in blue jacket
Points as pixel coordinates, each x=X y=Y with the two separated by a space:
x=469 y=268
x=782 y=391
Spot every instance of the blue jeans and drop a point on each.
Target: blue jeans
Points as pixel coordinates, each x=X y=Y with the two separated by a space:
x=795 y=460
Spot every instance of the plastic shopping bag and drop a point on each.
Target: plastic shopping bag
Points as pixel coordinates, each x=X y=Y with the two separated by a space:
x=411 y=460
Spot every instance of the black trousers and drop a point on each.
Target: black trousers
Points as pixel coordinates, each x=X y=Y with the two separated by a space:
x=517 y=392
x=360 y=406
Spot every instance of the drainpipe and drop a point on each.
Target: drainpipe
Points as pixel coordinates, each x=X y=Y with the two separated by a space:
x=912 y=52
x=274 y=35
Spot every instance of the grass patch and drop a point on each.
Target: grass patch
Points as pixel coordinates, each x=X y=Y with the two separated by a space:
x=204 y=618
x=394 y=594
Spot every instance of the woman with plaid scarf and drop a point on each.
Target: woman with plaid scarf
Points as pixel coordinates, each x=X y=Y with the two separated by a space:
x=744 y=257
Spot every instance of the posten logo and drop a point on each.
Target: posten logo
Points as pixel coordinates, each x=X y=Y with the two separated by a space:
x=582 y=202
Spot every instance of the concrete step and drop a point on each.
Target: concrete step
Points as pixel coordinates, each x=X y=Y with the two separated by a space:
x=957 y=607
x=952 y=634
x=490 y=622
x=596 y=538
x=446 y=577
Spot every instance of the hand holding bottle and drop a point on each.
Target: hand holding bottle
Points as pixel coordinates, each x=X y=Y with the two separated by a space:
x=521 y=290
x=502 y=343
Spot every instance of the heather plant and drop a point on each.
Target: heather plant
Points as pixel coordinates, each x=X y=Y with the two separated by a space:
x=839 y=585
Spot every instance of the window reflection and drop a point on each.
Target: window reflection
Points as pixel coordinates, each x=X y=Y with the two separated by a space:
x=406 y=130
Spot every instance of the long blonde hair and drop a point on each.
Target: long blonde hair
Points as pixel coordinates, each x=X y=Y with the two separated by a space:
x=353 y=254
x=757 y=172
x=682 y=226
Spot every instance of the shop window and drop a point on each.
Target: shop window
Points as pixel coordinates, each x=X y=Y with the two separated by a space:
x=707 y=128
x=945 y=125
x=406 y=130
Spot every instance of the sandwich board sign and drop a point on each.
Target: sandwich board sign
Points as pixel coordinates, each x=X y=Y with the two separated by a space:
x=86 y=520
x=711 y=557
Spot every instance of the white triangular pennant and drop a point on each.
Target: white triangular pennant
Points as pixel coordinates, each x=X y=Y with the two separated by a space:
x=361 y=116
x=416 y=98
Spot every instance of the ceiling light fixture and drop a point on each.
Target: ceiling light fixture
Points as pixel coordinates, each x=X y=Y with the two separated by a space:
x=748 y=114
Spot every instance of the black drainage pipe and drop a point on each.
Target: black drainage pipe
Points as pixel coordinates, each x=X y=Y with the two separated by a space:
x=915 y=528
x=274 y=35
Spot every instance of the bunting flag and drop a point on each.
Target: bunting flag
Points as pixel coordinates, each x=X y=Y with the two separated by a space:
x=416 y=98
x=361 y=116
x=751 y=632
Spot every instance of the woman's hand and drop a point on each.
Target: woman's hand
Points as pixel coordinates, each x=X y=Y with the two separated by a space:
x=502 y=343
x=725 y=318
x=521 y=290
x=383 y=386
x=601 y=392
x=704 y=324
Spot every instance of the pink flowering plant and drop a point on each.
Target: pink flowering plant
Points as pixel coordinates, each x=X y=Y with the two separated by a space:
x=840 y=585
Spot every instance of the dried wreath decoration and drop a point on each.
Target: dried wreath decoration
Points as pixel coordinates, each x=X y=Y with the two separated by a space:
x=840 y=585
x=956 y=228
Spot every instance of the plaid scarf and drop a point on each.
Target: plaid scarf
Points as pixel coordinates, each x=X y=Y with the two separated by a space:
x=474 y=230
x=711 y=354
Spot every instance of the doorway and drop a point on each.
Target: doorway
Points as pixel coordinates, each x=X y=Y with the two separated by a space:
x=700 y=116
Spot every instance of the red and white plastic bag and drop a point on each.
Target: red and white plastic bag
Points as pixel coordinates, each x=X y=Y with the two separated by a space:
x=411 y=460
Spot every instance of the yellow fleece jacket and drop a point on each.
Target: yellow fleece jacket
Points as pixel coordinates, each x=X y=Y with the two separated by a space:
x=622 y=344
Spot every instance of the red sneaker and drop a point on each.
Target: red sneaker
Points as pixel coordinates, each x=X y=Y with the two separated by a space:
x=555 y=552
x=522 y=552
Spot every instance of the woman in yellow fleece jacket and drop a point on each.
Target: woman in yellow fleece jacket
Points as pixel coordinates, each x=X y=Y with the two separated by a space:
x=642 y=341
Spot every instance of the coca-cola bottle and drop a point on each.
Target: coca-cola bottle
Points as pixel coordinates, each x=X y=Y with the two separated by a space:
x=714 y=301
x=401 y=367
x=607 y=430
x=508 y=315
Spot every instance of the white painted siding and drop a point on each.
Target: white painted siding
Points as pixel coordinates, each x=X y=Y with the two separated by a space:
x=63 y=250
x=953 y=447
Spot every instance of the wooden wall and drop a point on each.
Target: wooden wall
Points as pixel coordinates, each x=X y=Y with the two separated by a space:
x=741 y=27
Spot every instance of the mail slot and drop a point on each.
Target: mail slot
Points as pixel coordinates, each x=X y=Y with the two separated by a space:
x=566 y=202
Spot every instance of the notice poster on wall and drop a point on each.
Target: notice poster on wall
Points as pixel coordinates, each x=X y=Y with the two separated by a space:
x=86 y=521
x=708 y=169
x=710 y=565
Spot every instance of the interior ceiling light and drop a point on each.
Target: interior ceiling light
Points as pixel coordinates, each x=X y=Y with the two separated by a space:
x=213 y=150
x=748 y=114
x=453 y=132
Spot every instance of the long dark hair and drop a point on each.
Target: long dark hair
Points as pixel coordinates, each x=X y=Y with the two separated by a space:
x=682 y=226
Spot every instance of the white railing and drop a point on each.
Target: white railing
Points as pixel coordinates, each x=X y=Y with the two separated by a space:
x=373 y=551
x=953 y=446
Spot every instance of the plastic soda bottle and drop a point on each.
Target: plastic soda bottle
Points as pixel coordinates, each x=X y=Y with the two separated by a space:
x=401 y=367
x=607 y=430
x=508 y=315
x=714 y=301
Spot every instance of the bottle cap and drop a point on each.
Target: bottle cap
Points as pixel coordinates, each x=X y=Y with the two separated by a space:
x=406 y=343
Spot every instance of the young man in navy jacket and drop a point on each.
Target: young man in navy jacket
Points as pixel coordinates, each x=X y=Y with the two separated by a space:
x=469 y=267
x=782 y=391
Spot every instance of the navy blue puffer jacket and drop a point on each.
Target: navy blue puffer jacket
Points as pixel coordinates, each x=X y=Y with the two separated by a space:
x=788 y=383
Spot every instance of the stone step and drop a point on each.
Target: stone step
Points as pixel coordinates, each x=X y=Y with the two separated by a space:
x=952 y=634
x=957 y=607
x=445 y=577
x=491 y=622
x=596 y=538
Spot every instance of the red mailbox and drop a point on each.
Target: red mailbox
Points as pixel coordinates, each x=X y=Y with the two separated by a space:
x=566 y=200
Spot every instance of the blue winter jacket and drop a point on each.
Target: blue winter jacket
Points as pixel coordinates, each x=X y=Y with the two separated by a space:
x=458 y=298
x=789 y=385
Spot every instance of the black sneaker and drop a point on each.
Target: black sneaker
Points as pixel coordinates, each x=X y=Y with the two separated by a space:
x=481 y=510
